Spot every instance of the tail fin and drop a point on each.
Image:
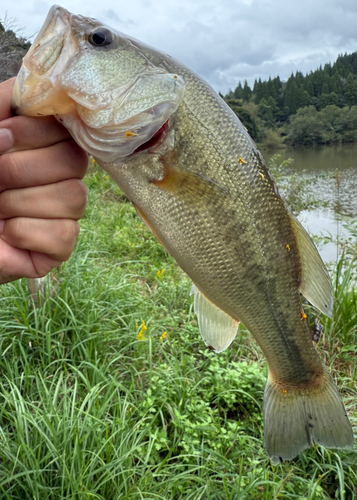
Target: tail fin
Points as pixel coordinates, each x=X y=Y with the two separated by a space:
x=292 y=420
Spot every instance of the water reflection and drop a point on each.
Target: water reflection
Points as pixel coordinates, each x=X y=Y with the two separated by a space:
x=334 y=167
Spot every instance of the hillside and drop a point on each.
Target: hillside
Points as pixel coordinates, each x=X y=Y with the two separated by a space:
x=12 y=50
x=317 y=108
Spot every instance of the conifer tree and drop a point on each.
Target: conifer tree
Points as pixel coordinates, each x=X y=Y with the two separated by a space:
x=247 y=92
x=350 y=90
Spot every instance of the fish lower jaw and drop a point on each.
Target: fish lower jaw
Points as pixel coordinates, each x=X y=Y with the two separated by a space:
x=29 y=99
x=109 y=147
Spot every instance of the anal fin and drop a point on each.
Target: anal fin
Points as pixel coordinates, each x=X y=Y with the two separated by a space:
x=217 y=328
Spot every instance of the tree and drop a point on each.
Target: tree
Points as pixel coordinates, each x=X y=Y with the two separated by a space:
x=267 y=111
x=327 y=100
x=325 y=88
x=308 y=86
x=336 y=83
x=302 y=98
x=350 y=90
x=258 y=90
x=309 y=127
x=291 y=96
x=247 y=92
x=318 y=81
x=345 y=124
x=238 y=93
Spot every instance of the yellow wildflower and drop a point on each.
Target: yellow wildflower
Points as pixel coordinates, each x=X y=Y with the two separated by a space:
x=160 y=273
x=141 y=335
x=163 y=336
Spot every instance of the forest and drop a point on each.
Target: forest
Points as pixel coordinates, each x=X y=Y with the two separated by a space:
x=318 y=108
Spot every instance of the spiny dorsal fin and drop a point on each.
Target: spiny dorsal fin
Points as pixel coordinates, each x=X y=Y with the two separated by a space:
x=315 y=282
x=217 y=328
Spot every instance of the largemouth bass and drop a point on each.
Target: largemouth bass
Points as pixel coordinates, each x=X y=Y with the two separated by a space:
x=202 y=187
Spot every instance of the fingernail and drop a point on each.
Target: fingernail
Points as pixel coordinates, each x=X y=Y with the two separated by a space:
x=2 y=225
x=6 y=140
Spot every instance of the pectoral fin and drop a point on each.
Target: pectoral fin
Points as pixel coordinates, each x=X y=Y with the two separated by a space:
x=315 y=282
x=217 y=328
x=192 y=186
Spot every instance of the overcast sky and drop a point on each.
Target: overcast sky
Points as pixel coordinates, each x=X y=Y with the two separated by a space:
x=223 y=40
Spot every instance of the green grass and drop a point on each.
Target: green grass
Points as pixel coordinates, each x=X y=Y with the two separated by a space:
x=90 y=411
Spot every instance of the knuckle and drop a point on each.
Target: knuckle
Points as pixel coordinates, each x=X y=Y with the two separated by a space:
x=10 y=171
x=69 y=234
x=5 y=209
x=15 y=232
x=76 y=196
x=74 y=156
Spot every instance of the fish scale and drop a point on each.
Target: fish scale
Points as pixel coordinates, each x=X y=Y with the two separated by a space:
x=204 y=190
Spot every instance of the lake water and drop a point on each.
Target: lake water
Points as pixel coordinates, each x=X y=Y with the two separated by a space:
x=339 y=190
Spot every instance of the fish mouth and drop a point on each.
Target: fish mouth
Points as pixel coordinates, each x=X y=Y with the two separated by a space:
x=109 y=144
x=155 y=139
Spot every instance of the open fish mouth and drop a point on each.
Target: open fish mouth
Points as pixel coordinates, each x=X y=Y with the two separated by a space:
x=155 y=139
x=111 y=114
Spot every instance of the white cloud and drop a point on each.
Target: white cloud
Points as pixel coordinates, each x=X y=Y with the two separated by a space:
x=224 y=41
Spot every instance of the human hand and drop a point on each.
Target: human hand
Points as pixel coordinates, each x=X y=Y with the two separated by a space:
x=41 y=194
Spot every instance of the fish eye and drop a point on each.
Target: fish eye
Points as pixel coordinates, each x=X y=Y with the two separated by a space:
x=100 y=37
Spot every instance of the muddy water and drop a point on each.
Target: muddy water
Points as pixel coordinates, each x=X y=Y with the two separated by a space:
x=335 y=168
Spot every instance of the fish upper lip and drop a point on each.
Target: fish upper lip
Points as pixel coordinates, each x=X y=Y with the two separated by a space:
x=45 y=52
x=55 y=12
x=43 y=63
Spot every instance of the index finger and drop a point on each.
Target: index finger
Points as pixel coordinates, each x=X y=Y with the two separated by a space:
x=26 y=132
x=30 y=132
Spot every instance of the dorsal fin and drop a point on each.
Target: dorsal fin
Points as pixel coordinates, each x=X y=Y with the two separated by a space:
x=217 y=328
x=315 y=282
